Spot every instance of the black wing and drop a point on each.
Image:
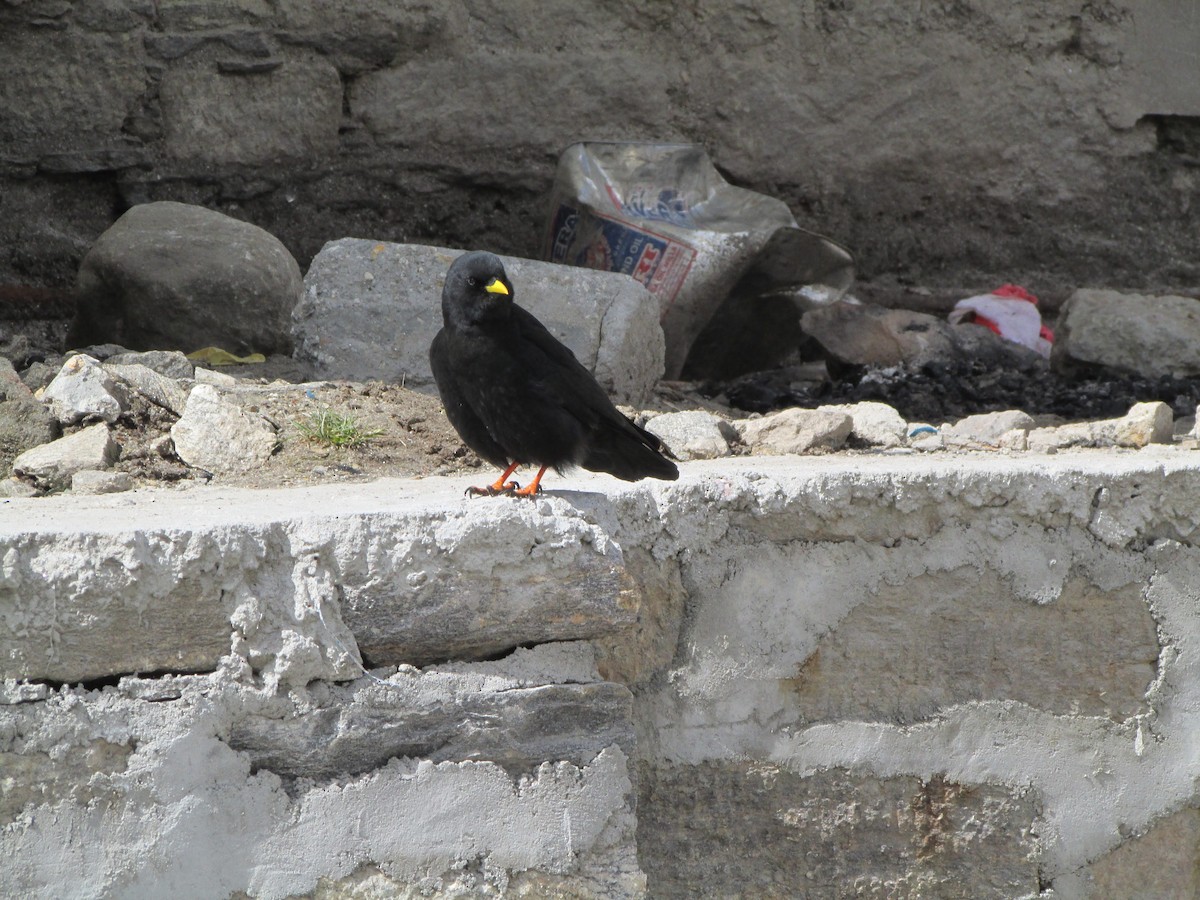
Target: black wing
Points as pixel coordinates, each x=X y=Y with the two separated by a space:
x=614 y=444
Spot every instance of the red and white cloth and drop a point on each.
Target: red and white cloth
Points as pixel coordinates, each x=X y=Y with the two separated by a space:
x=1011 y=312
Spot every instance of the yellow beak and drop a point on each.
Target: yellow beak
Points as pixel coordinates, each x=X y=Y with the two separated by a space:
x=496 y=286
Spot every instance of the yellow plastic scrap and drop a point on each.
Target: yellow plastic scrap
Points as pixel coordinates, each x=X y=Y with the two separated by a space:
x=215 y=356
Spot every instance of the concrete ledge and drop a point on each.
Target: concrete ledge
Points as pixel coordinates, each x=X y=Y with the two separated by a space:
x=1000 y=643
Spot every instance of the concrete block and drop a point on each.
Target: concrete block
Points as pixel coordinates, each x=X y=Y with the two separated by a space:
x=371 y=309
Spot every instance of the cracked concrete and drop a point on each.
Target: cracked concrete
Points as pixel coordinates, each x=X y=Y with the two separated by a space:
x=1001 y=650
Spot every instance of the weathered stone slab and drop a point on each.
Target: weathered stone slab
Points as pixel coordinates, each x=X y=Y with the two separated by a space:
x=1159 y=863
x=412 y=585
x=1144 y=334
x=78 y=766
x=940 y=640
x=758 y=830
x=370 y=311
x=439 y=717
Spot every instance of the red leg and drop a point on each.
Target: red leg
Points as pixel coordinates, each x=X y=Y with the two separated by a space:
x=535 y=486
x=500 y=486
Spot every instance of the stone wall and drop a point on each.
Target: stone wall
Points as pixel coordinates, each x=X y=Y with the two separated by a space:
x=779 y=677
x=948 y=144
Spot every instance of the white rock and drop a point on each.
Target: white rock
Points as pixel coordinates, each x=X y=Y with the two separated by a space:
x=218 y=436
x=874 y=423
x=693 y=434
x=1060 y=437
x=1145 y=423
x=92 y=481
x=795 y=431
x=81 y=389
x=52 y=465
x=987 y=429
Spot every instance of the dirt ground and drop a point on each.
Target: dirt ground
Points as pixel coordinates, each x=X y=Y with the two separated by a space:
x=410 y=434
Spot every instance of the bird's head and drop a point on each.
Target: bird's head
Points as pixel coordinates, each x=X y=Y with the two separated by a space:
x=476 y=290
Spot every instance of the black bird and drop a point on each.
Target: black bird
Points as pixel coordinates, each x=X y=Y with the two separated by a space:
x=518 y=396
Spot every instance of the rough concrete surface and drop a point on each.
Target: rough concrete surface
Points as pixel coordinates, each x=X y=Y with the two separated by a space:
x=916 y=676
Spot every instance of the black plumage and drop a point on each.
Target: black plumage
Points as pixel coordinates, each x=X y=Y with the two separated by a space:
x=517 y=396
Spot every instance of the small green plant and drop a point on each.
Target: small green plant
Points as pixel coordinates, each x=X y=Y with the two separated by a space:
x=334 y=429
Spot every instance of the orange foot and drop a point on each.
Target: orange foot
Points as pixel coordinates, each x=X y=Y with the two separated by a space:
x=535 y=486
x=499 y=486
x=494 y=490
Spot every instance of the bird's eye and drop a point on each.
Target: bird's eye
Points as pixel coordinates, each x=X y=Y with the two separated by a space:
x=472 y=280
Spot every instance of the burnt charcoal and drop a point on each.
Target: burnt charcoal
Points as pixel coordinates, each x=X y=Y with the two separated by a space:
x=939 y=391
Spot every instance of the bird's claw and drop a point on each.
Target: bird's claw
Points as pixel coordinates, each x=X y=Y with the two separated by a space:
x=509 y=487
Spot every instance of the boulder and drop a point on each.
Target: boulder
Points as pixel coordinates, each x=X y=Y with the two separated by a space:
x=371 y=309
x=219 y=436
x=1153 y=336
x=174 y=276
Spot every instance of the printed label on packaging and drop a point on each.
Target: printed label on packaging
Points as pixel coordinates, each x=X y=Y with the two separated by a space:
x=597 y=242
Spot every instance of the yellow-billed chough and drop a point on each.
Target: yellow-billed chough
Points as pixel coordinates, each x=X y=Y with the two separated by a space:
x=517 y=396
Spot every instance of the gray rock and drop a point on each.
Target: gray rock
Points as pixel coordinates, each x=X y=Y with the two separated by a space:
x=52 y=465
x=1147 y=335
x=166 y=392
x=873 y=423
x=24 y=422
x=173 y=276
x=693 y=434
x=219 y=436
x=92 y=481
x=796 y=431
x=82 y=390
x=987 y=429
x=170 y=363
x=371 y=309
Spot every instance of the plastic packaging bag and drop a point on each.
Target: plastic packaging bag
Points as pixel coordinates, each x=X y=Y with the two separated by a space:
x=664 y=215
x=1011 y=312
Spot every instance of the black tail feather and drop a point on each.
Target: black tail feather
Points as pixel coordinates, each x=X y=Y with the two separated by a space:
x=629 y=453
